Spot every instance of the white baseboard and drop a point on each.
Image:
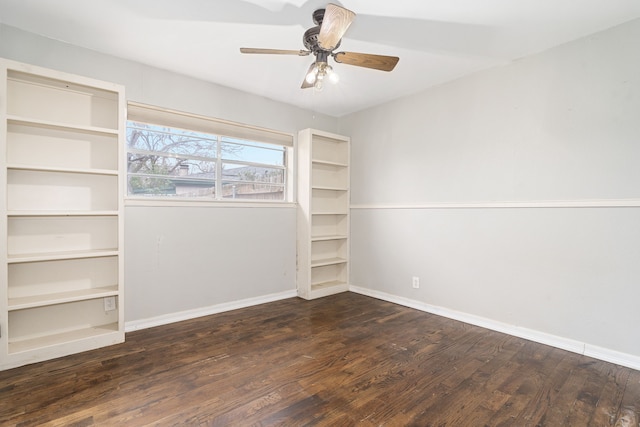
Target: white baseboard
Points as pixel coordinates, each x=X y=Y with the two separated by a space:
x=608 y=355
x=205 y=311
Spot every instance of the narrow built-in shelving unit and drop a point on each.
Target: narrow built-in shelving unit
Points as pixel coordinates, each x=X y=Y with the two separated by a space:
x=323 y=213
x=62 y=223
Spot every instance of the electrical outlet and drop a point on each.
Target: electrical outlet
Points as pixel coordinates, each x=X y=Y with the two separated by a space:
x=109 y=303
x=415 y=282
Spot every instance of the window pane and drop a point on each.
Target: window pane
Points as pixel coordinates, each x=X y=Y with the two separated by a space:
x=251 y=182
x=148 y=186
x=147 y=137
x=151 y=186
x=235 y=172
x=169 y=162
x=245 y=191
x=252 y=152
x=151 y=164
x=186 y=188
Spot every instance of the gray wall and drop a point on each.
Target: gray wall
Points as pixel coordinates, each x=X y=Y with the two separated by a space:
x=514 y=194
x=181 y=261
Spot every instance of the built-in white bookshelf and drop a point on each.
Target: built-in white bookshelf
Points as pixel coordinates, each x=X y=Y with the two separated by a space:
x=62 y=215
x=323 y=213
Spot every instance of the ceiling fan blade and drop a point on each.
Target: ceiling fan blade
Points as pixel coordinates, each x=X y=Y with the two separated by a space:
x=305 y=83
x=334 y=24
x=274 y=51
x=377 y=62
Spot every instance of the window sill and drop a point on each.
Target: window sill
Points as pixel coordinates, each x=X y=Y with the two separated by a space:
x=206 y=203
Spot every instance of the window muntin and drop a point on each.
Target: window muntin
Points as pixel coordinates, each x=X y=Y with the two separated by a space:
x=171 y=163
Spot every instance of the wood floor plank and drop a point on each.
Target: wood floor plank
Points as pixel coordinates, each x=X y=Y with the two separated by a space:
x=342 y=360
x=478 y=389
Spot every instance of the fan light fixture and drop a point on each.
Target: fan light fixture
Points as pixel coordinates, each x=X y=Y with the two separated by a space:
x=317 y=74
x=322 y=40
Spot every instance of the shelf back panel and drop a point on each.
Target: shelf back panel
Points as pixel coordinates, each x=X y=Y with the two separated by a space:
x=43 y=98
x=330 y=150
x=330 y=176
x=329 y=201
x=31 y=235
x=60 y=191
x=34 y=323
x=329 y=273
x=49 y=277
x=328 y=249
x=51 y=147
x=329 y=225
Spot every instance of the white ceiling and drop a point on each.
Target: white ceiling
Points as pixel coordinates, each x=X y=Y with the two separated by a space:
x=436 y=41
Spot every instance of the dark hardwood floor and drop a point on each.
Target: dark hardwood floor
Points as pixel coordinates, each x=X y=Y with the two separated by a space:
x=343 y=360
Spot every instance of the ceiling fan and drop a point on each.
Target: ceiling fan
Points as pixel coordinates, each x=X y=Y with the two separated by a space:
x=322 y=40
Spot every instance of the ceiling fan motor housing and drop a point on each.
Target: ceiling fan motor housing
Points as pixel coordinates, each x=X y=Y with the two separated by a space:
x=310 y=37
x=318 y=16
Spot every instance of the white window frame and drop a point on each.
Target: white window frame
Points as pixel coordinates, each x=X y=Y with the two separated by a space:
x=143 y=113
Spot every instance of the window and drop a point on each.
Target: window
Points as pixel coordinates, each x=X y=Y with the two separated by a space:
x=174 y=155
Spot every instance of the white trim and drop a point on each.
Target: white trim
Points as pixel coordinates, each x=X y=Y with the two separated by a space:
x=165 y=319
x=600 y=203
x=206 y=203
x=608 y=355
x=329 y=135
